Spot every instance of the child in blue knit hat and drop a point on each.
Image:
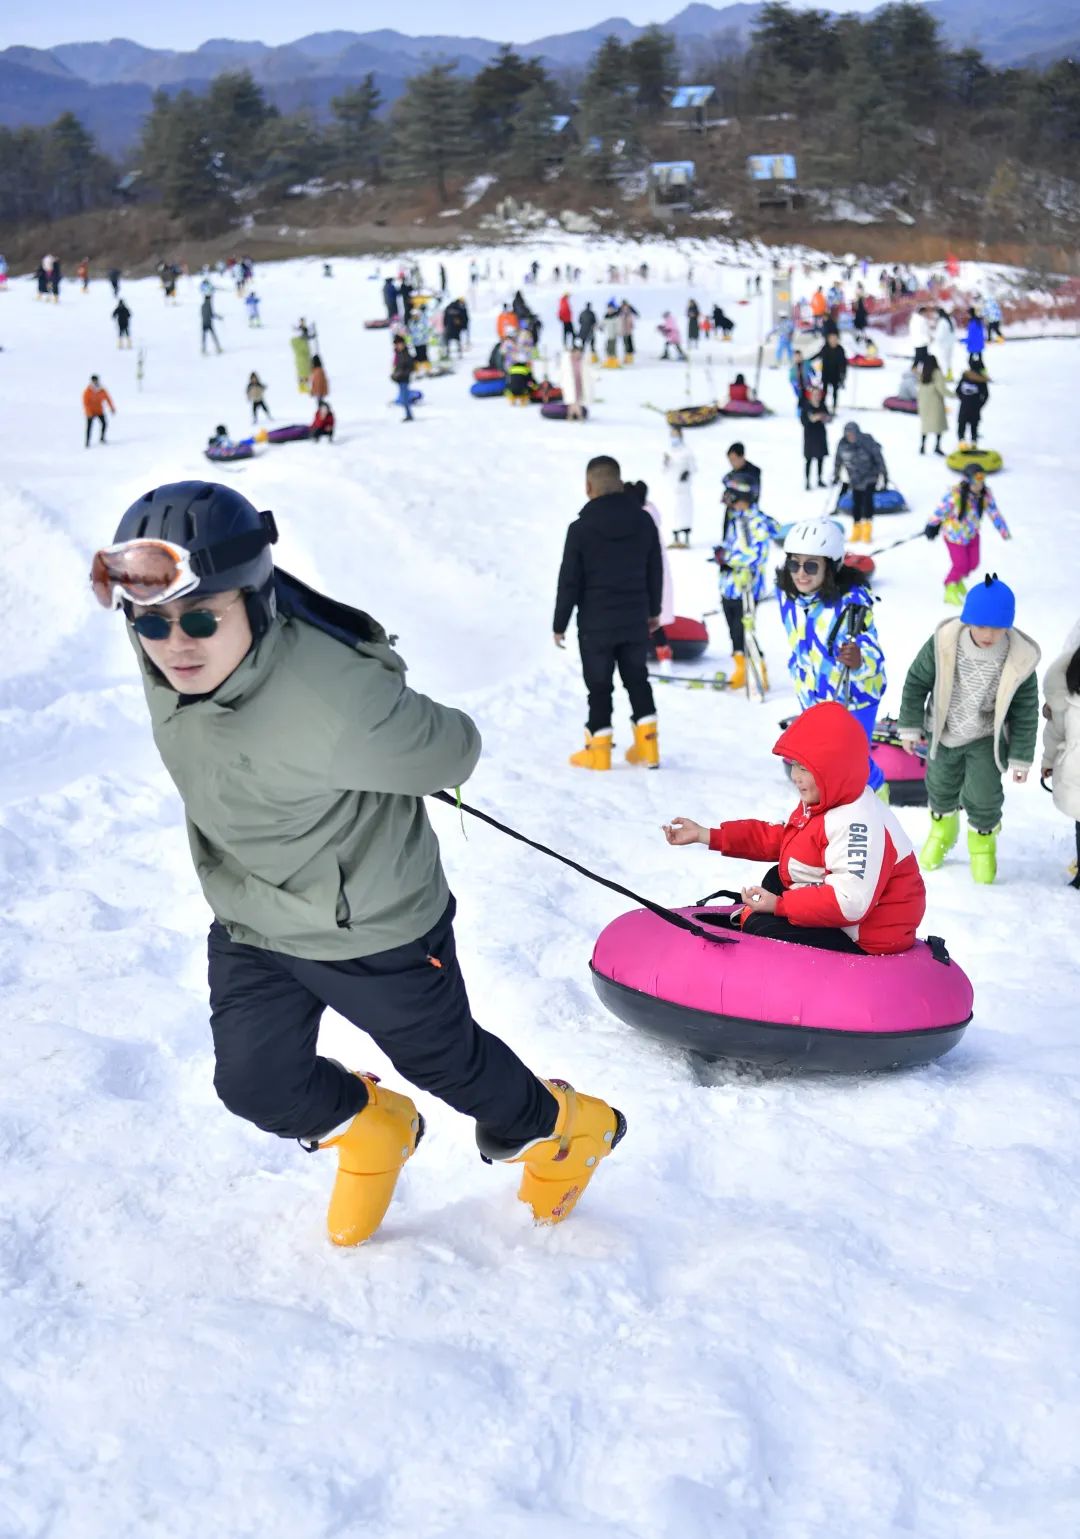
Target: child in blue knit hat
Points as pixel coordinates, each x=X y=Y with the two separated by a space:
x=973 y=691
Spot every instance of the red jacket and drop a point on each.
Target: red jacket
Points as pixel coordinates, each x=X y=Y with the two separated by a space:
x=566 y=315
x=845 y=862
x=324 y=418
x=738 y=392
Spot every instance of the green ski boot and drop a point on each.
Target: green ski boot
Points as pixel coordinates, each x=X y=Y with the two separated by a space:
x=954 y=594
x=982 y=851
x=944 y=832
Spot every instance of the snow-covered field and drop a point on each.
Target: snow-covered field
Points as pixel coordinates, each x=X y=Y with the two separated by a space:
x=825 y=1309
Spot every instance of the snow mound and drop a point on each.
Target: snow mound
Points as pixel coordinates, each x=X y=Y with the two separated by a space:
x=44 y=595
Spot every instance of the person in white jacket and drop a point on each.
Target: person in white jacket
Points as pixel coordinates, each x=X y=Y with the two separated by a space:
x=919 y=335
x=681 y=467
x=1061 y=737
x=575 y=382
x=944 y=340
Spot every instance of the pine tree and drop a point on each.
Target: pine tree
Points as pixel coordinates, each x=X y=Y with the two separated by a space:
x=359 y=132
x=499 y=92
x=430 y=127
x=533 y=137
x=653 y=69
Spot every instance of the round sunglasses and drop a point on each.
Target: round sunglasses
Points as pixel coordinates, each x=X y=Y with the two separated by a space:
x=811 y=568
x=199 y=624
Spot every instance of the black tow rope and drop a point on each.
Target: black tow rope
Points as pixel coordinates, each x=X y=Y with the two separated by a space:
x=668 y=915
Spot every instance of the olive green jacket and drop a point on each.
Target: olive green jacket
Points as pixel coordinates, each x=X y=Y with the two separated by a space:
x=302 y=778
x=929 y=685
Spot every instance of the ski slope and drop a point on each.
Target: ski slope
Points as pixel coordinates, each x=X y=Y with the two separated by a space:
x=787 y=1309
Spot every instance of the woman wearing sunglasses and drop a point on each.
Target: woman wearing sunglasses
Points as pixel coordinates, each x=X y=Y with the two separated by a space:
x=302 y=757
x=828 y=617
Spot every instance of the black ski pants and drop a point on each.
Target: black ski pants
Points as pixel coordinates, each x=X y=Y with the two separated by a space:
x=773 y=927
x=819 y=461
x=733 y=614
x=862 y=503
x=265 y=1009
x=600 y=656
x=967 y=423
x=90 y=423
x=257 y=407
x=568 y=333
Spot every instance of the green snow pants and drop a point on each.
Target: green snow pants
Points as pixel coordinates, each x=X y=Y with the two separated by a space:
x=967 y=777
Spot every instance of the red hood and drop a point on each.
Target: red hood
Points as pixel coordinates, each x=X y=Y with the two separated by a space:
x=828 y=741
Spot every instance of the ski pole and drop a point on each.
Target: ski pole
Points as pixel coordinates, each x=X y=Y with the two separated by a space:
x=907 y=539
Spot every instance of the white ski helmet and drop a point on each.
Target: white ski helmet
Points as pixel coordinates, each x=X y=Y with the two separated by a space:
x=815 y=537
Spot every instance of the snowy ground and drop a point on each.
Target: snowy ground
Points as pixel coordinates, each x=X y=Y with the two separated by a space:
x=787 y=1309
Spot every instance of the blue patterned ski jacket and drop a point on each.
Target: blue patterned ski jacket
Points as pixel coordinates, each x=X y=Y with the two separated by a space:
x=747 y=539
x=815 y=671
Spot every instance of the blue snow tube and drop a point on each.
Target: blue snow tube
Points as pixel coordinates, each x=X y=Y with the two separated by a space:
x=488 y=387
x=220 y=453
x=887 y=501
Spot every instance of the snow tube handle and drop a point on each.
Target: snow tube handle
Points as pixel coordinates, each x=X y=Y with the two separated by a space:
x=721 y=892
x=938 y=950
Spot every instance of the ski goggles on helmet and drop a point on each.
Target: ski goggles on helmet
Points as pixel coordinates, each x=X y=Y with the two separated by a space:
x=142 y=572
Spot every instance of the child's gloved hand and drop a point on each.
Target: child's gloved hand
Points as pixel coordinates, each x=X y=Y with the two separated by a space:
x=685 y=831
x=850 y=654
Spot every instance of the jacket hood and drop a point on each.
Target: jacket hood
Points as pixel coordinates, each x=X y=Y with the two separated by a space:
x=852 y=427
x=613 y=515
x=828 y=741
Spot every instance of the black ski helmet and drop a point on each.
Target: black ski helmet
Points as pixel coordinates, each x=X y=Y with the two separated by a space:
x=973 y=470
x=226 y=537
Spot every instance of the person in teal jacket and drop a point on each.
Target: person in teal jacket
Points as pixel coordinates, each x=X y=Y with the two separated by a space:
x=302 y=758
x=827 y=613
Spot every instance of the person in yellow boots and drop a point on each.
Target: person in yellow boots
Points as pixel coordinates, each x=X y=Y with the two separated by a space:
x=861 y=464
x=612 y=574
x=302 y=759
x=973 y=686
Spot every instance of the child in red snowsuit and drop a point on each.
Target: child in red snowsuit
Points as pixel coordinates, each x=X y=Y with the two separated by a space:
x=323 y=425
x=846 y=877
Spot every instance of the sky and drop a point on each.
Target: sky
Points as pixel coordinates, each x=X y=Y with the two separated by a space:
x=278 y=21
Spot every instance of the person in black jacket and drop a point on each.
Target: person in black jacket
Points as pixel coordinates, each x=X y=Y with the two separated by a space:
x=973 y=394
x=861 y=320
x=122 y=316
x=833 y=367
x=742 y=469
x=612 y=573
x=814 y=418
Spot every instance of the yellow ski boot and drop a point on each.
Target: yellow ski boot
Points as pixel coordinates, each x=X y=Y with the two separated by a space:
x=646 y=749
x=371 y=1152
x=737 y=676
x=596 y=755
x=559 y=1168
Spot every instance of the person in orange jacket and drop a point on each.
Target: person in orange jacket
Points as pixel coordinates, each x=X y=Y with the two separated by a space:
x=82 y=272
x=95 y=399
x=507 y=322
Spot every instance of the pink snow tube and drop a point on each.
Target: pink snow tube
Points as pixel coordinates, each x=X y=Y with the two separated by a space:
x=744 y=997
x=743 y=409
x=900 y=403
x=905 y=773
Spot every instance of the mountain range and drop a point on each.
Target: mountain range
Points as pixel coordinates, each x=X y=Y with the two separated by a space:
x=109 y=84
